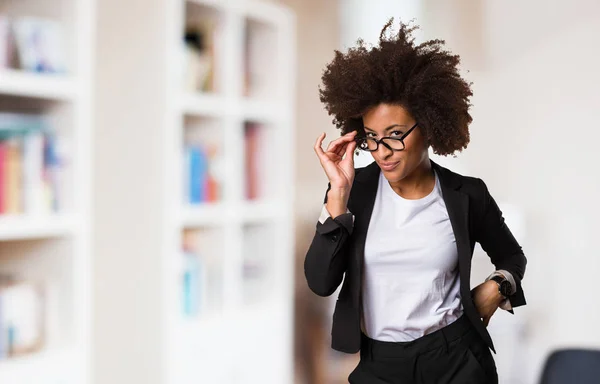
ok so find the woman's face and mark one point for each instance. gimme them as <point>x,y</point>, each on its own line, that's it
<point>387,120</point>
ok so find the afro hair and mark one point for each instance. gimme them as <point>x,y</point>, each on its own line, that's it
<point>422,78</point>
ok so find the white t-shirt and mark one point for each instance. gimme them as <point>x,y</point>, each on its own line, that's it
<point>411,285</point>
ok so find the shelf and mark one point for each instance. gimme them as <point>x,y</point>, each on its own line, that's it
<point>21,227</point>
<point>243,242</point>
<point>206,323</point>
<point>204,105</point>
<point>36,85</point>
<point>264,110</point>
<point>219,106</point>
<point>191,325</point>
<point>203,214</point>
<point>247,212</point>
<point>261,210</point>
<point>40,246</point>
<point>46,367</point>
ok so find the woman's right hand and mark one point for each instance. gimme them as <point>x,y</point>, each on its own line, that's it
<point>339,169</point>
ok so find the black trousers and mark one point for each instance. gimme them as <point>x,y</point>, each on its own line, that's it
<point>455,354</point>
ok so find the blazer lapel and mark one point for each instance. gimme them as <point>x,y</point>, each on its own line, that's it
<point>457,204</point>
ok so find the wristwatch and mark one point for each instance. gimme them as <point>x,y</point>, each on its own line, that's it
<point>504,286</point>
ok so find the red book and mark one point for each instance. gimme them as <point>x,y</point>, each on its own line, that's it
<point>211,184</point>
<point>251,138</point>
<point>211,189</point>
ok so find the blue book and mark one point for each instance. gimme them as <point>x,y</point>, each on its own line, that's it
<point>198,164</point>
<point>52,165</point>
<point>191,284</point>
<point>194,173</point>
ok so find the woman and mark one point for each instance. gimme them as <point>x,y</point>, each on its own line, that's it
<point>400,232</point>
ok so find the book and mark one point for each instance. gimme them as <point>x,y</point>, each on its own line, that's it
<point>214,174</point>
<point>52,172</point>
<point>22,324</point>
<point>192,283</point>
<point>196,174</point>
<point>202,170</point>
<point>194,275</point>
<point>33,173</point>
<point>32,165</point>
<point>252,166</point>
<point>12,174</point>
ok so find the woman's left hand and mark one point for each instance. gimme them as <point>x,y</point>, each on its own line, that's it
<point>487,298</point>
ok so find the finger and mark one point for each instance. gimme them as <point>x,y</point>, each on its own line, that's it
<point>334,145</point>
<point>318,145</point>
<point>350,149</point>
<point>351,134</point>
<point>342,148</point>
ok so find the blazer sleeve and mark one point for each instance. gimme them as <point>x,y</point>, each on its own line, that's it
<point>327,257</point>
<point>501,246</point>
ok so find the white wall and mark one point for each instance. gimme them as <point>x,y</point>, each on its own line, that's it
<point>364,19</point>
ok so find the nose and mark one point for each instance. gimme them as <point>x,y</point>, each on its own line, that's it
<point>384,152</point>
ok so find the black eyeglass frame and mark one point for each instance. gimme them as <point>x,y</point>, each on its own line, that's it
<point>363,139</point>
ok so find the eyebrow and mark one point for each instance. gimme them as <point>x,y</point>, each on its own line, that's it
<point>388,128</point>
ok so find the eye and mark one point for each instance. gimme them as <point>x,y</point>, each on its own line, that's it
<point>396,133</point>
<point>371,134</point>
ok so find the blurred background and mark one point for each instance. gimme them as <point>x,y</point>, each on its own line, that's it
<point>158,186</point>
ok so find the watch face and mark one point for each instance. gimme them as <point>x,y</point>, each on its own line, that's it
<point>505,288</point>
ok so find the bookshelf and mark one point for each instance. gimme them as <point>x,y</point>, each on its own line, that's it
<point>240,238</point>
<point>44,230</point>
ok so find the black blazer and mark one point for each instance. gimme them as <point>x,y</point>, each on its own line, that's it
<point>338,247</point>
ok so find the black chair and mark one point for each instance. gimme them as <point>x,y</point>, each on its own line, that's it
<point>572,366</point>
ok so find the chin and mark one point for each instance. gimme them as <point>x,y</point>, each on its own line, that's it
<point>393,177</point>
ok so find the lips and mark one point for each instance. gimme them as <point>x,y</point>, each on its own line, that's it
<point>389,166</point>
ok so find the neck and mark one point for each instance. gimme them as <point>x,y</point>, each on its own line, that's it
<point>419,183</point>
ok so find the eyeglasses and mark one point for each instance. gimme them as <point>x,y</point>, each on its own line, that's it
<point>371,144</point>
